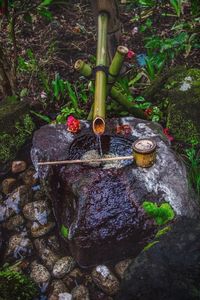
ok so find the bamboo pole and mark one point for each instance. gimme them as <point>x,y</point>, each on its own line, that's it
<point>114,93</point>
<point>100,78</point>
<point>82,161</point>
<point>116,63</point>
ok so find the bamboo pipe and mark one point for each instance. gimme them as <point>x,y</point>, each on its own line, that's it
<point>116,63</point>
<point>100,78</point>
<point>115,94</point>
<point>80,161</point>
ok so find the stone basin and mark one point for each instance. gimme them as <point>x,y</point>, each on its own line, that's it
<point>102,205</point>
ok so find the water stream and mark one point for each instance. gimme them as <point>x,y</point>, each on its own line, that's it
<point>99,145</point>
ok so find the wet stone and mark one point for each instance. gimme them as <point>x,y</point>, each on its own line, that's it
<point>38,230</point>
<point>121,267</point>
<point>76,277</point>
<point>18,166</point>
<point>65,296</point>
<point>80,292</point>
<point>29,177</point>
<point>8,185</point>
<point>39,273</point>
<point>48,257</point>
<point>57,287</point>
<point>63,266</point>
<point>14,223</point>
<point>104,205</point>
<point>19,246</point>
<point>105,280</point>
<point>14,203</point>
<point>37,211</point>
<point>53,243</point>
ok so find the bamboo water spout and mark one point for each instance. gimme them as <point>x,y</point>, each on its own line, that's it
<point>100,76</point>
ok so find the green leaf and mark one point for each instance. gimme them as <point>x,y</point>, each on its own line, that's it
<point>24,92</point>
<point>64,231</point>
<point>43,117</point>
<point>46,2</point>
<point>148,246</point>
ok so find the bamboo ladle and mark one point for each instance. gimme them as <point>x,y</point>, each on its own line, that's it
<point>82,161</point>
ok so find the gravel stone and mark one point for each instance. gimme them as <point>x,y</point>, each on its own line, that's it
<point>80,292</point>
<point>18,166</point>
<point>121,267</point>
<point>63,266</point>
<point>8,185</point>
<point>105,280</point>
<point>57,287</point>
<point>48,257</point>
<point>38,230</point>
<point>39,273</point>
<point>37,211</point>
<point>19,246</point>
<point>14,223</point>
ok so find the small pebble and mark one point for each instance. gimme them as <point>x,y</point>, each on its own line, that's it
<point>14,223</point>
<point>19,246</point>
<point>29,177</point>
<point>38,230</point>
<point>121,267</point>
<point>18,166</point>
<point>39,273</point>
<point>63,266</point>
<point>37,211</point>
<point>48,257</point>
<point>57,287</point>
<point>65,296</point>
<point>105,280</point>
<point>80,292</point>
<point>8,185</point>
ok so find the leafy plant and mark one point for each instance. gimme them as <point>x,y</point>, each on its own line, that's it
<point>15,285</point>
<point>177,6</point>
<point>193,162</point>
<point>161,214</point>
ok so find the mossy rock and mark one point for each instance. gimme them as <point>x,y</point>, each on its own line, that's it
<point>181,88</point>
<point>16,126</point>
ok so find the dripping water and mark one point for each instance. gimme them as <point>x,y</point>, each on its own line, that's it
<point>99,145</point>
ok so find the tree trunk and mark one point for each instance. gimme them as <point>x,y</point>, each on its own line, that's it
<point>114,26</point>
<point>5,77</point>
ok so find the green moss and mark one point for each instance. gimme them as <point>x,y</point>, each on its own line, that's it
<point>182,129</point>
<point>15,285</point>
<point>161,214</point>
<point>162,231</point>
<point>148,246</point>
<point>11,142</point>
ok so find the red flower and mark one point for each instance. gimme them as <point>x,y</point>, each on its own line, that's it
<point>130,54</point>
<point>73,125</point>
<point>148,112</point>
<point>166,133</point>
<point>123,129</point>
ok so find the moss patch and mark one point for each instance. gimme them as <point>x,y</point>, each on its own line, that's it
<point>16,126</point>
<point>181,87</point>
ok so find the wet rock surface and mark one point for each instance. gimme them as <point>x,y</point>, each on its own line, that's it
<point>168,270</point>
<point>101,206</point>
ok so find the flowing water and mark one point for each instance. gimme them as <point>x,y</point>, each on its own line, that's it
<point>99,145</point>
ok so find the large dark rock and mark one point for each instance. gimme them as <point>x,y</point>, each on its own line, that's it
<point>101,206</point>
<point>169,270</point>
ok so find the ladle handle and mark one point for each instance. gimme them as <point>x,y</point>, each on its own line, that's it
<point>80,161</point>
